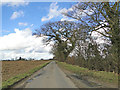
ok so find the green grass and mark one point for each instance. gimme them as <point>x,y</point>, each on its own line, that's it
<point>19,77</point>
<point>98,75</point>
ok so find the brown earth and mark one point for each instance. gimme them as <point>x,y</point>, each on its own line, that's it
<point>13,68</point>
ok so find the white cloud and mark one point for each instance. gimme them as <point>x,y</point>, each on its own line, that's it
<point>31,25</point>
<point>65,18</point>
<point>22,24</point>
<point>100,39</point>
<point>22,43</point>
<point>54,11</point>
<point>14,3</point>
<point>17,14</point>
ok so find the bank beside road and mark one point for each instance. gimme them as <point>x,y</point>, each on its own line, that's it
<point>19,70</point>
<point>85,78</point>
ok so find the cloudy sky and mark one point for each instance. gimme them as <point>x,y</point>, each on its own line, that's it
<point>19,21</point>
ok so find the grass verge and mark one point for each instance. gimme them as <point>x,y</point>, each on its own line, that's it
<point>19,77</point>
<point>98,75</point>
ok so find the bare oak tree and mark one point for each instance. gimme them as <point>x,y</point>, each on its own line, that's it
<point>64,34</point>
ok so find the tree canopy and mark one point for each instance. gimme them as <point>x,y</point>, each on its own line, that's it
<point>75,36</point>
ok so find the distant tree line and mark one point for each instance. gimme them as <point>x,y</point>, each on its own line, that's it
<point>19,59</point>
<point>25,59</point>
<point>74,37</point>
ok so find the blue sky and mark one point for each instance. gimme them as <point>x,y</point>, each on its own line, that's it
<point>32,15</point>
<point>19,21</point>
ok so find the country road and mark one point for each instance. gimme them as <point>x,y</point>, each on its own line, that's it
<point>50,76</point>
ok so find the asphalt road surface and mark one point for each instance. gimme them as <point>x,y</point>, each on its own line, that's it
<point>50,76</point>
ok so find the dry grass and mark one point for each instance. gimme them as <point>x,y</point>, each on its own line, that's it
<point>13,68</point>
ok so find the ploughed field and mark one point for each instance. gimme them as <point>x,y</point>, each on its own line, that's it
<point>13,68</point>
